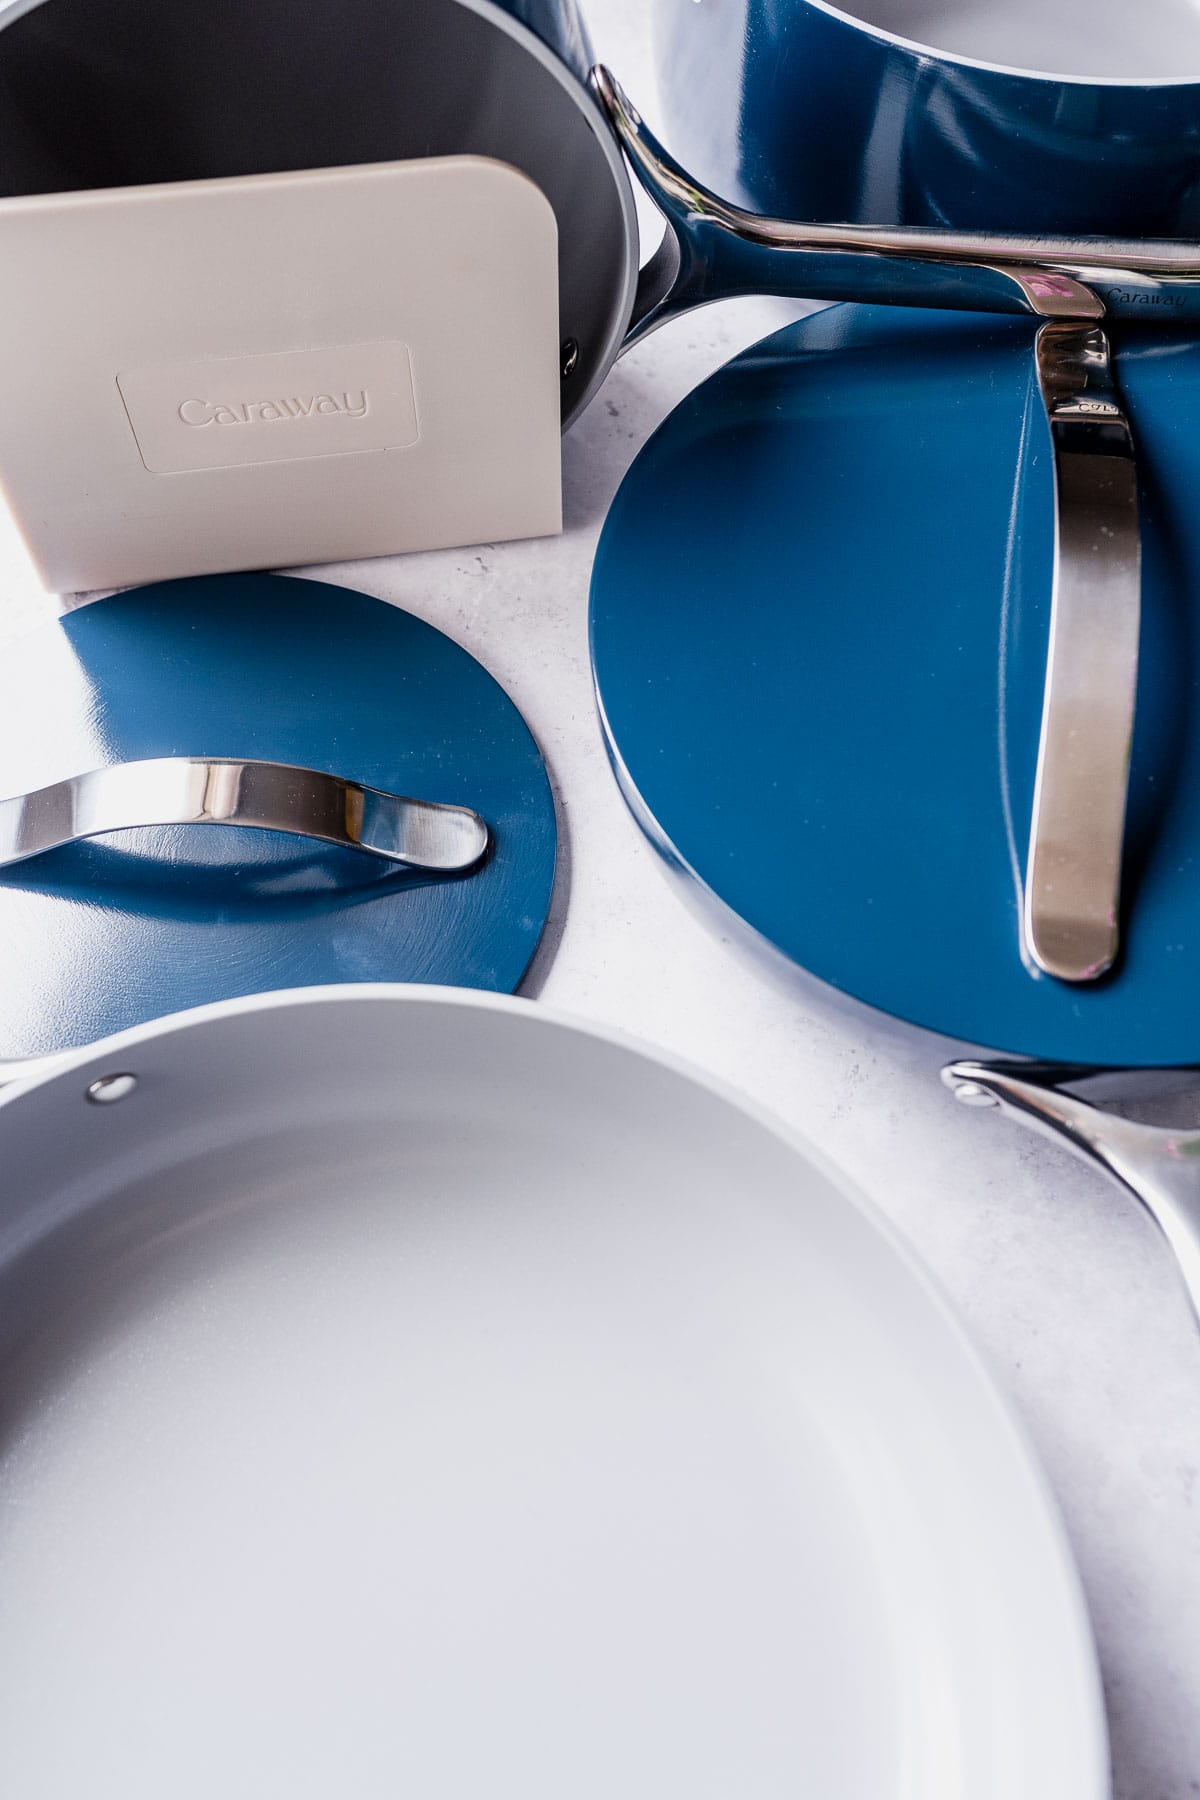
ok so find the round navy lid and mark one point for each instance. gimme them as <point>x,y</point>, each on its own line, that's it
<point>101,935</point>
<point>819,626</point>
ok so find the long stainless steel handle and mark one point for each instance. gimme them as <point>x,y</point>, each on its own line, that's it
<point>714,250</point>
<point>1159,1167</point>
<point>189,790</point>
<point>1073,873</point>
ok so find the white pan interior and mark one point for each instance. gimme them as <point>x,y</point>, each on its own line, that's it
<point>413,1393</point>
<point>1108,40</point>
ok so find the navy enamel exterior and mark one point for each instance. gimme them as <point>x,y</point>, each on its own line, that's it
<point>99,936</point>
<point>559,24</point>
<point>793,109</point>
<point>819,618</point>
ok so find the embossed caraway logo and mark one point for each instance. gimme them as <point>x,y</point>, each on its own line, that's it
<point>1146,297</point>
<point>233,411</point>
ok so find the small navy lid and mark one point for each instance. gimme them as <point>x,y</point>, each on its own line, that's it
<point>819,624</point>
<point>98,936</point>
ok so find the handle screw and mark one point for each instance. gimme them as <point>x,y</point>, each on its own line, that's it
<point>969,1093</point>
<point>110,1088</point>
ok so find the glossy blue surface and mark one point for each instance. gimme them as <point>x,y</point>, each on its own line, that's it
<point>819,617</point>
<point>99,936</point>
<point>794,110</point>
<point>559,23</point>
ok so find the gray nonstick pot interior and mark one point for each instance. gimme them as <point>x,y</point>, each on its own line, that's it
<point>116,93</point>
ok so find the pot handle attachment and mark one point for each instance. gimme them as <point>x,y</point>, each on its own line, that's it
<point>713,250</point>
<point>189,790</point>
<point>1158,1166</point>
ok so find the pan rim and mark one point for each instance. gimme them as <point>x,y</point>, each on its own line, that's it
<point>120,1050</point>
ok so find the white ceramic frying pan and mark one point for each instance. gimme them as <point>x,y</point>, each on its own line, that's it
<point>413,1392</point>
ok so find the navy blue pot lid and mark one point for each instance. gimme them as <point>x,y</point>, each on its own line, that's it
<point>819,620</point>
<point>98,936</point>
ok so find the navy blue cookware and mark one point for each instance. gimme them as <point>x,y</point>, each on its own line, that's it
<point>790,106</point>
<point>1037,115</point>
<point>820,615</point>
<point>114,93</point>
<point>305,709</point>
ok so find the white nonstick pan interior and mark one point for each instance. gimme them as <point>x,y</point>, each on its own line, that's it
<point>409,1392</point>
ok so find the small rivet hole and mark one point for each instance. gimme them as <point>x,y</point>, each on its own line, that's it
<point>110,1088</point>
<point>969,1093</point>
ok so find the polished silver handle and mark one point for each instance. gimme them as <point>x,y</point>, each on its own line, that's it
<point>1159,1167</point>
<point>190,790</point>
<point>1073,873</point>
<point>713,250</point>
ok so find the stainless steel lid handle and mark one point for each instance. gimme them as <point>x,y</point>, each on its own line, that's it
<point>188,790</point>
<point>1073,874</point>
<point>1159,1167</point>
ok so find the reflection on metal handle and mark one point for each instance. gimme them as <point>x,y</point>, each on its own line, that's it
<point>713,250</point>
<point>1159,1167</point>
<point>1073,876</point>
<point>188,790</point>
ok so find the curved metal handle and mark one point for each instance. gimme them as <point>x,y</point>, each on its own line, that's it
<point>1159,1167</point>
<point>189,790</point>
<point>714,250</point>
<point>1073,874</point>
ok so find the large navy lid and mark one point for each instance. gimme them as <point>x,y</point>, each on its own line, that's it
<point>101,935</point>
<point>819,622</point>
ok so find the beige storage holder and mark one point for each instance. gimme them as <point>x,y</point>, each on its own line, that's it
<point>278,369</point>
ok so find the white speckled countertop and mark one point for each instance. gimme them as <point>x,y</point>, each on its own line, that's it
<point>1062,1281</point>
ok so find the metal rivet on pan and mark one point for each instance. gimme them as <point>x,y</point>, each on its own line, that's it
<point>110,1088</point>
<point>971,1094</point>
<point>568,357</point>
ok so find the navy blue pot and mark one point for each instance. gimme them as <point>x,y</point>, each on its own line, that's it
<point>795,109</point>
